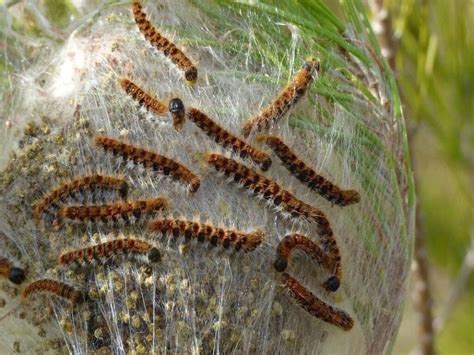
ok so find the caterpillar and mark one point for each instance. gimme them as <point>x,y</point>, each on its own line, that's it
<point>314,306</point>
<point>228,140</point>
<point>177,110</point>
<point>112,212</point>
<point>16,275</point>
<point>58,288</point>
<point>271,191</point>
<point>164,45</point>
<point>145,100</point>
<point>150,160</point>
<point>104,250</point>
<point>77,185</point>
<point>205,232</point>
<point>298,241</point>
<point>287,98</point>
<point>308,176</point>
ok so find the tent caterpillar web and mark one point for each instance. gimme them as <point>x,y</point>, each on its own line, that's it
<point>151,160</point>
<point>227,139</point>
<point>298,241</point>
<point>57,288</point>
<point>15,274</point>
<point>308,176</point>
<point>285,100</point>
<point>164,45</point>
<point>112,212</point>
<point>66,189</point>
<point>314,306</point>
<point>206,232</point>
<point>101,251</point>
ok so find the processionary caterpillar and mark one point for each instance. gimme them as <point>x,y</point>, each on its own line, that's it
<point>308,176</point>
<point>57,288</point>
<point>298,241</point>
<point>10,272</point>
<point>164,45</point>
<point>284,101</point>
<point>314,305</point>
<point>150,160</point>
<point>102,251</point>
<point>112,212</point>
<point>228,140</point>
<point>145,100</point>
<point>77,185</point>
<point>205,232</point>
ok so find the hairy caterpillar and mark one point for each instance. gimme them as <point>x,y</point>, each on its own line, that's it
<point>314,305</point>
<point>112,212</point>
<point>150,160</point>
<point>145,100</point>
<point>227,139</point>
<point>284,101</point>
<point>104,250</point>
<point>10,272</point>
<point>308,176</point>
<point>177,110</point>
<point>205,232</point>
<point>298,241</point>
<point>163,44</point>
<point>57,288</point>
<point>80,184</point>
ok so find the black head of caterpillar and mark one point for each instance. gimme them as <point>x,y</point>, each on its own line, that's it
<point>14,274</point>
<point>177,110</point>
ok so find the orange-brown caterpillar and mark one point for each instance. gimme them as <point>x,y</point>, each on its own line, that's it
<point>107,249</point>
<point>315,306</point>
<point>145,100</point>
<point>10,272</point>
<point>66,189</point>
<point>57,288</point>
<point>176,108</point>
<point>150,160</point>
<point>205,232</point>
<point>308,176</point>
<point>284,101</point>
<point>112,212</point>
<point>227,139</point>
<point>298,241</point>
<point>163,44</point>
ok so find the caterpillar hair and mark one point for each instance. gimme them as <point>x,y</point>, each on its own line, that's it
<point>164,45</point>
<point>102,251</point>
<point>177,110</point>
<point>151,160</point>
<point>112,212</point>
<point>152,104</point>
<point>228,140</point>
<point>287,98</point>
<point>209,233</point>
<point>308,176</point>
<point>16,275</point>
<point>298,241</point>
<point>314,306</point>
<point>64,190</point>
<point>57,288</point>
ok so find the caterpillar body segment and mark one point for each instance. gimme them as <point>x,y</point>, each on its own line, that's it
<point>8,271</point>
<point>208,233</point>
<point>150,160</point>
<point>287,99</point>
<point>228,140</point>
<point>164,45</point>
<point>314,306</point>
<point>144,99</point>
<point>308,176</point>
<point>58,288</point>
<point>102,251</point>
<point>79,185</point>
